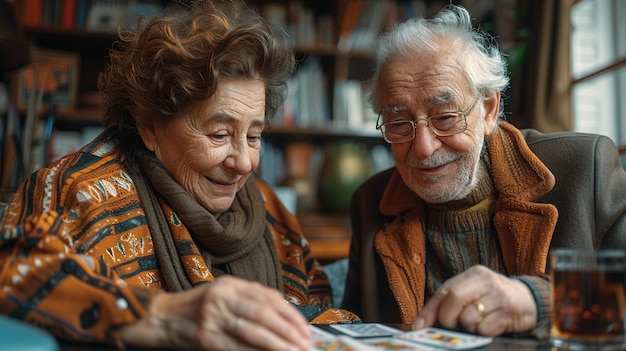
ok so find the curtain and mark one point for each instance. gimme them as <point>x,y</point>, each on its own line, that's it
<point>540,90</point>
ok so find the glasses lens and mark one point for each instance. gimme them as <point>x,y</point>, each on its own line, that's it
<point>448,124</point>
<point>400,131</point>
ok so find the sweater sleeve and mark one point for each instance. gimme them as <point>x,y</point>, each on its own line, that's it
<point>49,275</point>
<point>540,287</point>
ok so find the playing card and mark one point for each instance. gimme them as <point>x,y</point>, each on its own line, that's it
<point>391,343</point>
<point>341,343</point>
<point>332,345</point>
<point>365,330</point>
<point>445,338</point>
<point>319,334</point>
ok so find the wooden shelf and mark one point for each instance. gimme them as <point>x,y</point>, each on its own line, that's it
<point>328,234</point>
<point>82,114</point>
<point>81,34</point>
<point>68,33</point>
<point>333,51</point>
<point>281,135</point>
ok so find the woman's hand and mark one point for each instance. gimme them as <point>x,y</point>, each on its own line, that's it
<point>480,301</point>
<point>228,314</point>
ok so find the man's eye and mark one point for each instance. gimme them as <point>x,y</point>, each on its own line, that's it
<point>219,136</point>
<point>446,121</point>
<point>444,118</point>
<point>399,117</point>
<point>400,127</point>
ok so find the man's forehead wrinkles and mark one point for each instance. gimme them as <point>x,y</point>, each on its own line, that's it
<point>438,99</point>
<point>441,99</point>
<point>395,108</point>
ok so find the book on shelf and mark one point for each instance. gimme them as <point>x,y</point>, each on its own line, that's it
<point>307,103</point>
<point>305,26</point>
<point>271,166</point>
<point>32,13</point>
<point>68,14</point>
<point>276,14</point>
<point>305,33</point>
<point>349,19</point>
<point>82,8</point>
<point>361,23</point>
<point>96,15</point>
<point>350,108</point>
<point>370,24</point>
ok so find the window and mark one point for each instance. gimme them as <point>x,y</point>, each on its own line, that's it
<point>598,66</point>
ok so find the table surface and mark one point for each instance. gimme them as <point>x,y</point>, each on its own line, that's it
<point>41,341</point>
<point>499,344</point>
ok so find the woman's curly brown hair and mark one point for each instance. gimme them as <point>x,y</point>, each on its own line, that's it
<point>179,57</point>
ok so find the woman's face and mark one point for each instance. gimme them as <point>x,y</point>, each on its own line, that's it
<point>212,148</point>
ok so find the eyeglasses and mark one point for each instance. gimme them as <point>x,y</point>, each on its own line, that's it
<point>444,124</point>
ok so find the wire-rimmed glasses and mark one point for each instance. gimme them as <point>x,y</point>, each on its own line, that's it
<point>443,124</point>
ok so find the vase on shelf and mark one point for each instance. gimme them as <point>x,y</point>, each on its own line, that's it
<point>345,167</point>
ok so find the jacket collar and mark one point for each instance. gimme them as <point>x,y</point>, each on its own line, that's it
<point>517,173</point>
<point>524,227</point>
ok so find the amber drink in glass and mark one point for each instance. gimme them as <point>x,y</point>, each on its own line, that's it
<point>588,298</point>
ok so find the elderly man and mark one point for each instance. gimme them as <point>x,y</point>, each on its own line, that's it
<point>458,233</point>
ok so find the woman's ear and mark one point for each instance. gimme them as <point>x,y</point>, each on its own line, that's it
<point>148,136</point>
<point>491,105</point>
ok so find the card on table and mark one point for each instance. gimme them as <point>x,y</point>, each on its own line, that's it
<point>446,338</point>
<point>390,343</point>
<point>320,334</point>
<point>342,343</point>
<point>326,341</point>
<point>366,330</point>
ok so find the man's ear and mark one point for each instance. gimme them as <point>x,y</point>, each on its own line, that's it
<point>491,106</point>
<point>148,136</point>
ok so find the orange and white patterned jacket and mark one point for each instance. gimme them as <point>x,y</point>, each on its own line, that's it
<point>86,205</point>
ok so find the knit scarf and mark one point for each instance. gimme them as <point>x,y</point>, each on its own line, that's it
<point>237,241</point>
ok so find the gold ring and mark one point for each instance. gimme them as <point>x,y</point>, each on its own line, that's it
<point>480,308</point>
<point>238,322</point>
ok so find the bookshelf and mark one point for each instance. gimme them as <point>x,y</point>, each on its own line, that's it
<point>334,48</point>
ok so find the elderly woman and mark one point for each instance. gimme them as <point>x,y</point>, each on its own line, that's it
<point>137,238</point>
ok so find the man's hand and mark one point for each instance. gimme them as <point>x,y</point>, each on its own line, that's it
<point>480,301</point>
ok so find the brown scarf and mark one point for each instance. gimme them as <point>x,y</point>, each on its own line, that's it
<point>237,242</point>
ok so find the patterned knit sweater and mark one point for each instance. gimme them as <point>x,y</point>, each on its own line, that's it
<point>77,258</point>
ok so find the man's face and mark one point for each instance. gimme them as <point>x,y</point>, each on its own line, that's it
<point>438,169</point>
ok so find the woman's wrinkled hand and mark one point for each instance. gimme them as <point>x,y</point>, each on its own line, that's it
<point>480,301</point>
<point>228,314</point>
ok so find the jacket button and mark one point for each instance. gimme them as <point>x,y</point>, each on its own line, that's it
<point>417,259</point>
<point>90,316</point>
